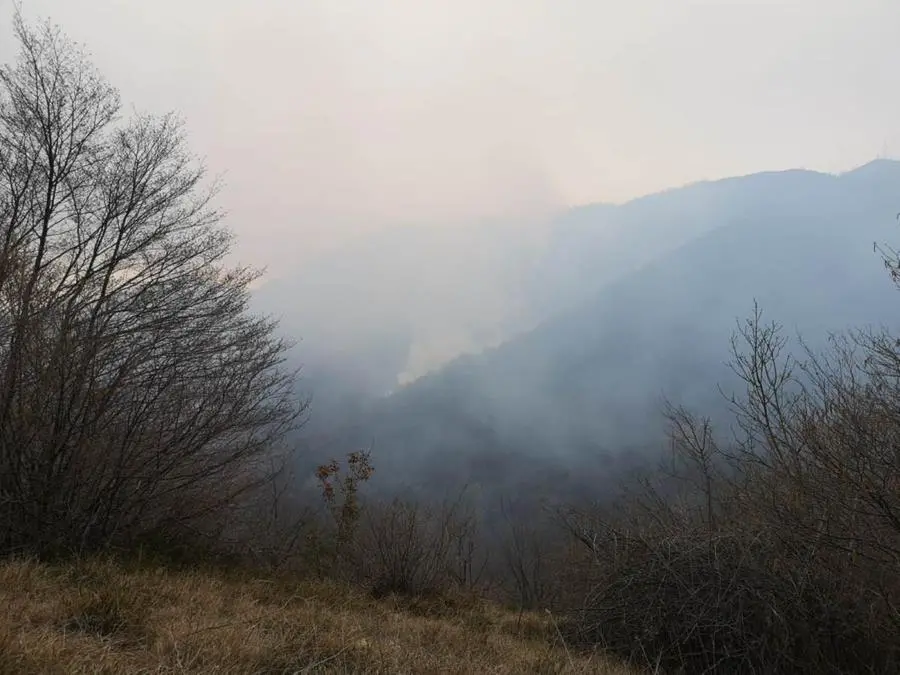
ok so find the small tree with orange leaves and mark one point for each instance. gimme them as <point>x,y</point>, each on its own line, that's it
<point>343,502</point>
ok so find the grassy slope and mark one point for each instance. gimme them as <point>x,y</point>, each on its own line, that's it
<point>96,617</point>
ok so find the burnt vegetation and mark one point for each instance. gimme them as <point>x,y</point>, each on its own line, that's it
<point>144,411</point>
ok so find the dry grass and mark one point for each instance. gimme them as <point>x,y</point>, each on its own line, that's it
<point>97,617</point>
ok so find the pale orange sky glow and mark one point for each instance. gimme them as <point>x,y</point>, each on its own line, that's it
<point>332,118</point>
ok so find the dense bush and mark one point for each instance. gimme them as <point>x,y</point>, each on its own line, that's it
<point>777,552</point>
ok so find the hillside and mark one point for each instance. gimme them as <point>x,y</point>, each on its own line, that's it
<point>586,383</point>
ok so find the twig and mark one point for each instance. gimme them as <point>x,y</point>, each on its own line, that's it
<point>309,668</point>
<point>217,627</point>
<point>561,639</point>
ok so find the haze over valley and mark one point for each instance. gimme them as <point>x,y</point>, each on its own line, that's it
<point>497,336</point>
<point>585,328</point>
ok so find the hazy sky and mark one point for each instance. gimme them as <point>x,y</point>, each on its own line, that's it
<point>333,117</point>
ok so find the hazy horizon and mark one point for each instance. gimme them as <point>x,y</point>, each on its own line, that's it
<point>395,165</point>
<point>331,120</point>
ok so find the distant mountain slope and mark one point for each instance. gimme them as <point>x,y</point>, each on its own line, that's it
<point>593,245</point>
<point>407,299</point>
<point>587,381</point>
<point>397,303</point>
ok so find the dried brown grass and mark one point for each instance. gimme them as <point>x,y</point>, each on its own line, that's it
<point>100,617</point>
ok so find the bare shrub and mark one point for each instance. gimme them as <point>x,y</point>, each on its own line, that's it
<point>775,552</point>
<point>533,554</point>
<point>279,529</point>
<point>411,548</point>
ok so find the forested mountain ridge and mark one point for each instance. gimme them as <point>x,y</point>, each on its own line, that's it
<point>587,382</point>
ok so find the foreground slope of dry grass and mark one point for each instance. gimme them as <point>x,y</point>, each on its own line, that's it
<point>97,617</point>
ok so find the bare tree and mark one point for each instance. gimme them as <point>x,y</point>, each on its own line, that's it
<point>136,392</point>
<point>527,549</point>
<point>413,548</point>
<point>776,551</point>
